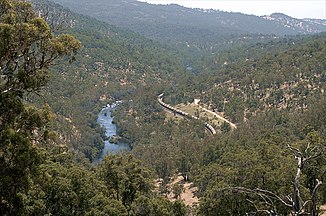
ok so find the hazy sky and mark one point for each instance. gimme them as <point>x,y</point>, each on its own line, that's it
<point>294,8</point>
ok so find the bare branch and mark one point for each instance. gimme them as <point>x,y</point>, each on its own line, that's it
<point>274,196</point>
<point>304,204</point>
<point>314,156</point>
<point>319,183</point>
<point>295,151</point>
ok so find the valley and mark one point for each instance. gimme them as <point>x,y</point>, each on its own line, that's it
<point>239,130</point>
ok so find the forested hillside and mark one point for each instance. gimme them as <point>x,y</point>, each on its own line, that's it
<point>287,75</point>
<point>197,28</point>
<point>274,92</point>
<point>58,69</point>
<point>42,172</point>
<point>111,64</point>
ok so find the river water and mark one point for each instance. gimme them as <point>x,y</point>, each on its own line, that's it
<point>105,119</point>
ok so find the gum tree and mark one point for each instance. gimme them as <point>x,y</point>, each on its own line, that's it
<point>27,50</point>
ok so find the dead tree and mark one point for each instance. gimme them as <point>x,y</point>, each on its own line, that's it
<point>303,157</point>
<point>265,201</point>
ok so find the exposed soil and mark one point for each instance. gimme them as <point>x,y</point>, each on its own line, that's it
<point>188,193</point>
<point>323,210</point>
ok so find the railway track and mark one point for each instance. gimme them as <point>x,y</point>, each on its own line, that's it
<point>209,127</point>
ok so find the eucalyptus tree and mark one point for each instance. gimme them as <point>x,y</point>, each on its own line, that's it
<point>27,50</point>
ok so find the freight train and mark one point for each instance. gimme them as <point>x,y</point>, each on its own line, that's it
<point>209,127</point>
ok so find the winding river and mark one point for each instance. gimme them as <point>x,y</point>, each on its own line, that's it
<point>105,119</point>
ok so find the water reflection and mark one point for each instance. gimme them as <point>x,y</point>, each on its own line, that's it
<point>105,119</point>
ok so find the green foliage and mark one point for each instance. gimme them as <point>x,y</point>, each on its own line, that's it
<point>157,206</point>
<point>112,64</point>
<point>27,49</point>
<point>284,74</point>
<point>217,203</point>
<point>120,185</point>
<point>70,190</point>
<point>261,90</point>
<point>257,156</point>
<point>177,189</point>
<point>125,178</point>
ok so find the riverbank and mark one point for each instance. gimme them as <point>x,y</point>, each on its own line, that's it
<point>106,120</point>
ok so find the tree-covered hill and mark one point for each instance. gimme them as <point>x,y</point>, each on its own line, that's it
<point>273,163</point>
<point>275,92</point>
<point>241,82</point>
<point>286,79</point>
<point>300,25</point>
<point>38,176</point>
<point>204,29</point>
<point>111,65</point>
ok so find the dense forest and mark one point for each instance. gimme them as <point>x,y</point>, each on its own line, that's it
<point>59,68</point>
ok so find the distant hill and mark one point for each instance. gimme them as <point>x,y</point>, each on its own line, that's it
<point>198,27</point>
<point>303,26</point>
<point>317,21</point>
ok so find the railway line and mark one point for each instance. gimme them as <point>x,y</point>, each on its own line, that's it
<point>209,127</point>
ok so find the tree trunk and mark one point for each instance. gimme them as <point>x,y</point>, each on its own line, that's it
<point>296,194</point>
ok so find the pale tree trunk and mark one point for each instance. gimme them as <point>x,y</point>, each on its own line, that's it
<point>296,194</point>
<point>298,204</point>
<point>314,199</point>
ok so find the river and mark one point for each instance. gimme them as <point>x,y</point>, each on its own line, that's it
<point>105,119</point>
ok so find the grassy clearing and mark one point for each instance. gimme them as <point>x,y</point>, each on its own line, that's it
<point>197,111</point>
